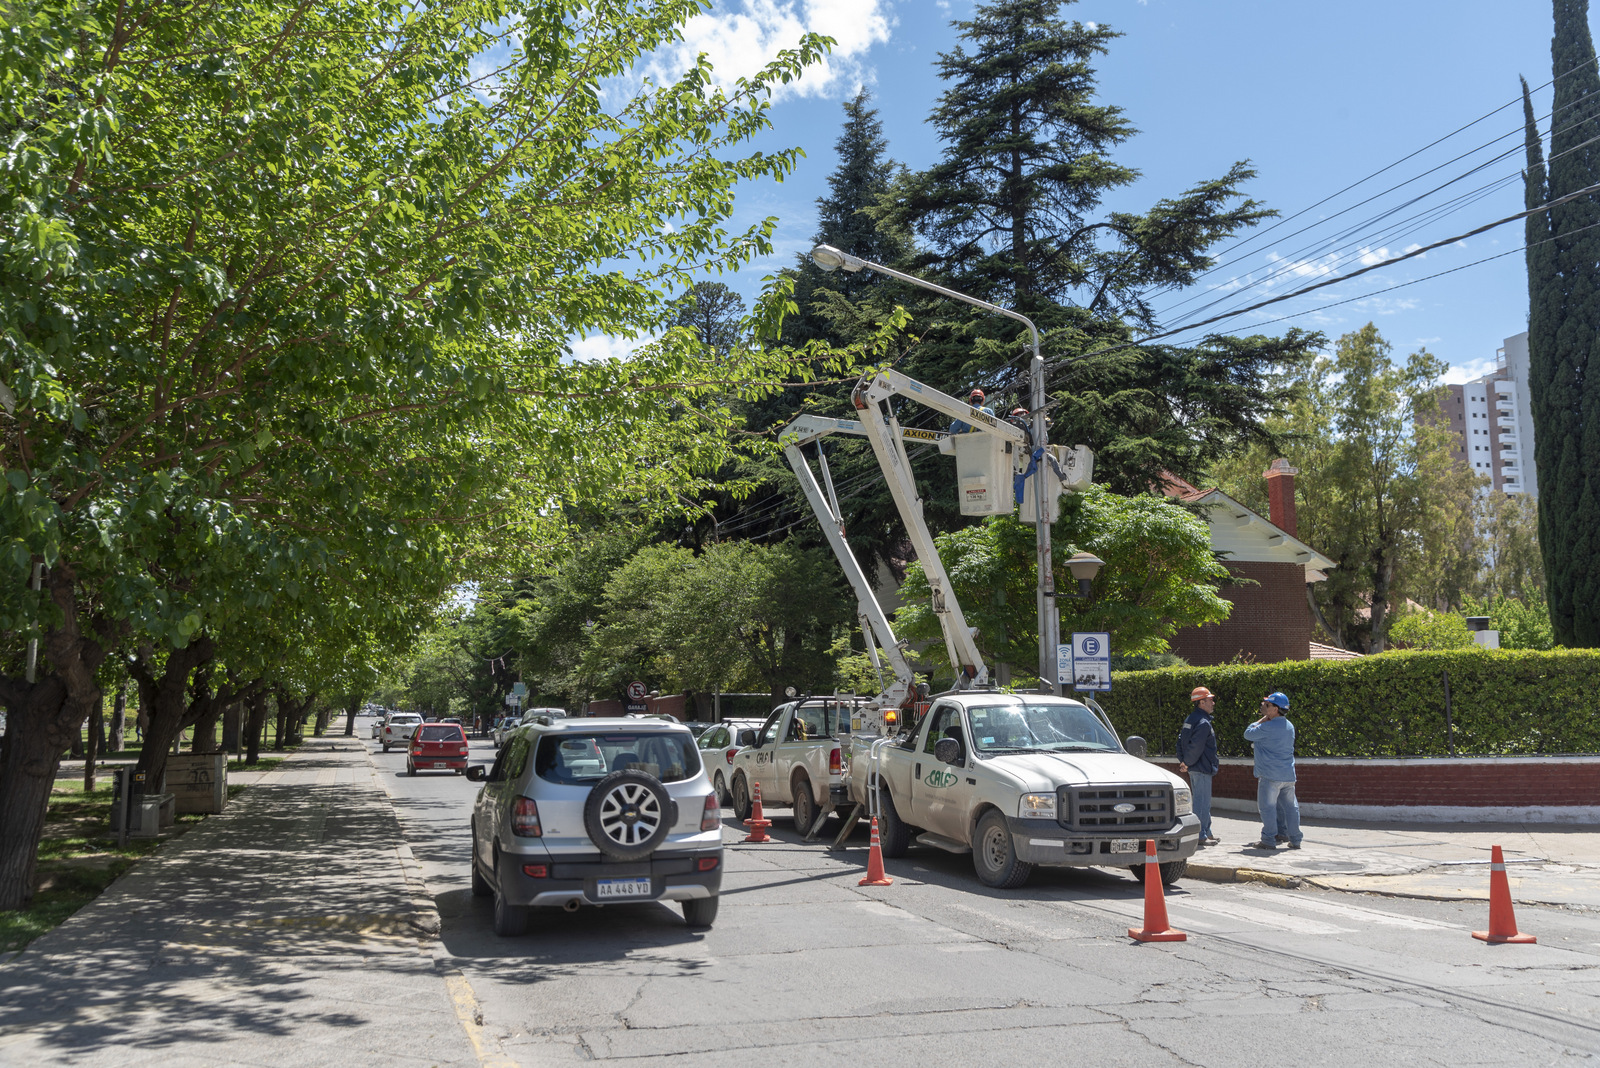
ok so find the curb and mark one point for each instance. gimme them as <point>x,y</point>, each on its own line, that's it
<point>1221,873</point>
<point>423,915</point>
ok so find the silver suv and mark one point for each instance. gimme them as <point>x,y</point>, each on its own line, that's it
<point>594,811</point>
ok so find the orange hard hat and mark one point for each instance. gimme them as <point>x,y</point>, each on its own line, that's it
<point>976,393</point>
<point>1200,693</point>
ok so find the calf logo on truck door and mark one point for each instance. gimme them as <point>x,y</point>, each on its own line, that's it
<point>940,778</point>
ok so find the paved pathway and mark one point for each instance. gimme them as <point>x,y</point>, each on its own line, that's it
<point>291,930</point>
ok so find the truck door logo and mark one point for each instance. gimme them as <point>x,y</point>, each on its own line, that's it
<point>941,778</point>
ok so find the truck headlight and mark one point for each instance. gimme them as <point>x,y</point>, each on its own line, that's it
<point>1037,807</point>
<point>1182,801</point>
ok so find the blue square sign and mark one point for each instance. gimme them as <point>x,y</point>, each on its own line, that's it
<point>1086,663</point>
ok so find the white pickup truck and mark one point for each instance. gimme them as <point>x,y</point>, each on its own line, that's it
<point>798,758</point>
<point>1019,780</point>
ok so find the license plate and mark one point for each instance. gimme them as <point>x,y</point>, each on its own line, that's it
<point>622,888</point>
<point>440,764</point>
<point>1125,845</point>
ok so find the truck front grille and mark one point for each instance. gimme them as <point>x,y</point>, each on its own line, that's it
<point>1085,808</point>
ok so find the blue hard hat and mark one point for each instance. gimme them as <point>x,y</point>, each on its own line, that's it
<point>1279,698</point>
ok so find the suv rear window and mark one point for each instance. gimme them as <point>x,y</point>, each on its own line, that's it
<point>438,732</point>
<point>575,758</point>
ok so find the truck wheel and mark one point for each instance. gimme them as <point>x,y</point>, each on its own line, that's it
<point>721,787</point>
<point>994,855</point>
<point>700,911</point>
<point>741,797</point>
<point>894,837</point>
<point>1171,871</point>
<point>805,806</point>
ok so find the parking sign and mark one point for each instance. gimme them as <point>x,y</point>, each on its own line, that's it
<point>1086,663</point>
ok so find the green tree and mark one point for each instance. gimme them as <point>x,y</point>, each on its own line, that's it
<point>1510,525</point>
<point>1379,489</point>
<point>286,301</point>
<point>1426,629</point>
<point>1563,258</point>
<point>713,313</point>
<point>1159,575</point>
<point>1523,623</point>
<point>1014,213</point>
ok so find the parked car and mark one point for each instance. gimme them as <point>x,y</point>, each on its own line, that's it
<point>532,715</point>
<point>719,743</point>
<point>595,811</point>
<point>397,729</point>
<point>503,726</point>
<point>437,747</point>
<point>697,727</point>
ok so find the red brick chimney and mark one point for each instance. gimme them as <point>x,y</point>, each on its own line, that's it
<point>1280,495</point>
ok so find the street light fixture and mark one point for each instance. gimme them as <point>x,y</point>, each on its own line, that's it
<point>832,259</point>
<point>1084,566</point>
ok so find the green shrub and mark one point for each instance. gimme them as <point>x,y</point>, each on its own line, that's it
<point>1503,702</point>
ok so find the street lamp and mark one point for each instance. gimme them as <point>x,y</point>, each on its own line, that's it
<point>831,259</point>
<point>1084,567</point>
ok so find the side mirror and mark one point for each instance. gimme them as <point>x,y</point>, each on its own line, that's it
<point>947,751</point>
<point>1134,745</point>
<point>478,772</point>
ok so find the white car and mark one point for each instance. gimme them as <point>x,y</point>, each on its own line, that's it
<point>397,729</point>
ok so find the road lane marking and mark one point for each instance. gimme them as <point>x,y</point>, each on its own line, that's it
<point>1366,915</point>
<point>471,1017</point>
<point>1278,920</point>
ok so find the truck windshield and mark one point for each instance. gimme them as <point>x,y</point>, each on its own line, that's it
<point>1052,727</point>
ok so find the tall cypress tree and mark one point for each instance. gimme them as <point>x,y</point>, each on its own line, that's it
<point>1563,259</point>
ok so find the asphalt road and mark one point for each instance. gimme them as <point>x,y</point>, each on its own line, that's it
<point>805,967</point>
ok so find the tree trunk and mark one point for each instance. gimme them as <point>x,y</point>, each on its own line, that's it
<point>75,743</point>
<point>39,720</point>
<point>232,726</point>
<point>164,699</point>
<point>1382,583</point>
<point>119,721</point>
<point>255,726</point>
<point>350,717</point>
<point>322,721</point>
<point>95,746</point>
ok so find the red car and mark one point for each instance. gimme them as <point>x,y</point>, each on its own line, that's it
<point>437,747</point>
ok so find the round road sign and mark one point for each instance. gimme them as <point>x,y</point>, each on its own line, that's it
<point>636,691</point>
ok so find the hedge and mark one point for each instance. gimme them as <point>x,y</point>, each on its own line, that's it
<point>1502,703</point>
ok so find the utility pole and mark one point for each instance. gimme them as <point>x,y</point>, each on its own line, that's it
<point>829,258</point>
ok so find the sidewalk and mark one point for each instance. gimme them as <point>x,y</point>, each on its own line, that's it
<point>291,930</point>
<point>1546,864</point>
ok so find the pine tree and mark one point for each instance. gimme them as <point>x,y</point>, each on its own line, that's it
<point>1013,213</point>
<point>1564,330</point>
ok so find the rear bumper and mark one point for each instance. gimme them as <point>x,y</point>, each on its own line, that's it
<point>1046,842</point>
<point>673,877</point>
<point>437,763</point>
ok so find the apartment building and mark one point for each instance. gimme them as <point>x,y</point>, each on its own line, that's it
<point>1495,425</point>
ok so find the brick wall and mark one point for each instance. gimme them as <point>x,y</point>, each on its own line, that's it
<point>1483,782</point>
<point>1270,621</point>
<point>671,704</point>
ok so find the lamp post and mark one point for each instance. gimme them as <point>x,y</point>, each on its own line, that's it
<point>830,259</point>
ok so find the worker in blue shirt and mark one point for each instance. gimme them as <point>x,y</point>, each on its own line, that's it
<point>975,398</point>
<point>1197,755</point>
<point>1273,738</point>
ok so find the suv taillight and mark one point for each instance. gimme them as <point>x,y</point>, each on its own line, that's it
<point>834,764</point>
<point>730,754</point>
<point>525,819</point>
<point>712,818</point>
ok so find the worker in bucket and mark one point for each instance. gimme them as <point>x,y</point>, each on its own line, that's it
<point>975,398</point>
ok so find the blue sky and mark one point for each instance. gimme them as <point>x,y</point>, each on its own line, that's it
<point>1317,96</point>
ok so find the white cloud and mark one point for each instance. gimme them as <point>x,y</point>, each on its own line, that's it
<point>1468,371</point>
<point>739,37</point>
<point>598,347</point>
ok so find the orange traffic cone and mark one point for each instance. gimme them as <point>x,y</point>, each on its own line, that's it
<point>1155,927</point>
<point>757,823</point>
<point>875,875</point>
<point>1502,920</point>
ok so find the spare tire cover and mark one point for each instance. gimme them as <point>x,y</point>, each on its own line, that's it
<point>628,814</point>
